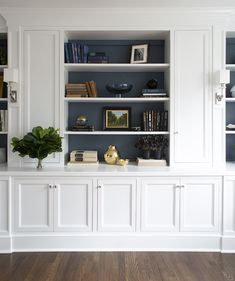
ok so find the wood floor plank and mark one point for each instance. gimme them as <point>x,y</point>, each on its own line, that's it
<point>117,266</point>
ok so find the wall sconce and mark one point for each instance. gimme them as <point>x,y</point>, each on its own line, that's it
<point>11,76</point>
<point>224,78</point>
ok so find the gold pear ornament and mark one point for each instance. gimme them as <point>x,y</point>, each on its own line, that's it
<point>111,155</point>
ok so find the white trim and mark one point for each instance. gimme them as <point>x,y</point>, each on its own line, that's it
<point>116,243</point>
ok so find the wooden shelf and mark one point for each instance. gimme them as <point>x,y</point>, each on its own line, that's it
<point>3,133</point>
<point>3,99</point>
<point>230,132</point>
<point>129,133</point>
<point>116,67</point>
<point>116,100</point>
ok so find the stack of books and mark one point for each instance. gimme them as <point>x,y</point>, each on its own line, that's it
<point>83,157</point>
<point>3,120</point>
<point>151,162</point>
<point>154,93</point>
<point>74,52</point>
<point>82,90</point>
<point>155,121</point>
<point>83,128</point>
<point>97,57</point>
<point>76,90</point>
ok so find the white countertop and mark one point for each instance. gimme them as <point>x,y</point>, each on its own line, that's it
<point>114,170</point>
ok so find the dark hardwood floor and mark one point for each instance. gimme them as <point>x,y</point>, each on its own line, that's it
<point>117,266</point>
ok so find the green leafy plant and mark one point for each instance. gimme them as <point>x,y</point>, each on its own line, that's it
<point>38,144</point>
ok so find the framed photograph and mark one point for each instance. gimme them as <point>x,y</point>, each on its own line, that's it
<point>116,118</point>
<point>139,53</point>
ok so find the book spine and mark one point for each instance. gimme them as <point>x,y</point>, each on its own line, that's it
<point>70,53</point>
<point>78,51</point>
<point>86,50</point>
<point>93,88</point>
<point>166,120</point>
<point>66,53</point>
<point>150,121</point>
<point>158,121</point>
<point>144,121</point>
<point>153,91</point>
<point>88,89</point>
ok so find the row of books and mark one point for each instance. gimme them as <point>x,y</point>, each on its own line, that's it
<point>154,120</point>
<point>74,52</point>
<point>97,57</point>
<point>3,120</point>
<point>154,93</point>
<point>81,90</point>
<point>83,157</point>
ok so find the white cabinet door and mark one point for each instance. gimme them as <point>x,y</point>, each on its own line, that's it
<point>41,81</point>
<point>4,201</point>
<point>160,204</point>
<point>116,204</point>
<point>33,205</point>
<point>199,210</point>
<point>229,206</point>
<point>73,205</point>
<point>192,104</point>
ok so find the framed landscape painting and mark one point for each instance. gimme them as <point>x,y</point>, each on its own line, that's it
<point>116,118</point>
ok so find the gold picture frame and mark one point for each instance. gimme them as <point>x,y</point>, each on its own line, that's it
<point>116,118</point>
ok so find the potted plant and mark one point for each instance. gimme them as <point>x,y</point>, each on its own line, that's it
<point>144,144</point>
<point>158,144</point>
<point>38,143</point>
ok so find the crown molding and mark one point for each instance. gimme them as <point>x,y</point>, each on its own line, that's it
<point>151,10</point>
<point>105,16</point>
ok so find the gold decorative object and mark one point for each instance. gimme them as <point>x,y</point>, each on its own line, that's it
<point>122,162</point>
<point>111,155</point>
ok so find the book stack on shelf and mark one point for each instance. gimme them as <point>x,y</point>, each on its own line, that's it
<point>3,121</point>
<point>151,162</point>
<point>154,93</point>
<point>83,157</point>
<point>82,90</point>
<point>83,128</point>
<point>74,52</point>
<point>97,57</point>
<point>155,121</point>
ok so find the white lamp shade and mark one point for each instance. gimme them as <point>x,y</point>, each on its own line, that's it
<point>224,77</point>
<point>10,75</point>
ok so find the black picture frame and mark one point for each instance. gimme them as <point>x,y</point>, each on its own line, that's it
<point>123,123</point>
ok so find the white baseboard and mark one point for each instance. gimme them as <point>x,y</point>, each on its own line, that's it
<point>228,244</point>
<point>5,245</point>
<point>116,243</point>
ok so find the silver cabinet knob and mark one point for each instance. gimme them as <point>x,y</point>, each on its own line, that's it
<point>50,185</point>
<point>55,186</point>
<point>99,186</point>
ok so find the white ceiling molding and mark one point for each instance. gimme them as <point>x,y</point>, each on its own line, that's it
<point>117,4</point>
<point>118,17</point>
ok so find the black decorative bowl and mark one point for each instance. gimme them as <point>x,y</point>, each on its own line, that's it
<point>119,89</point>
